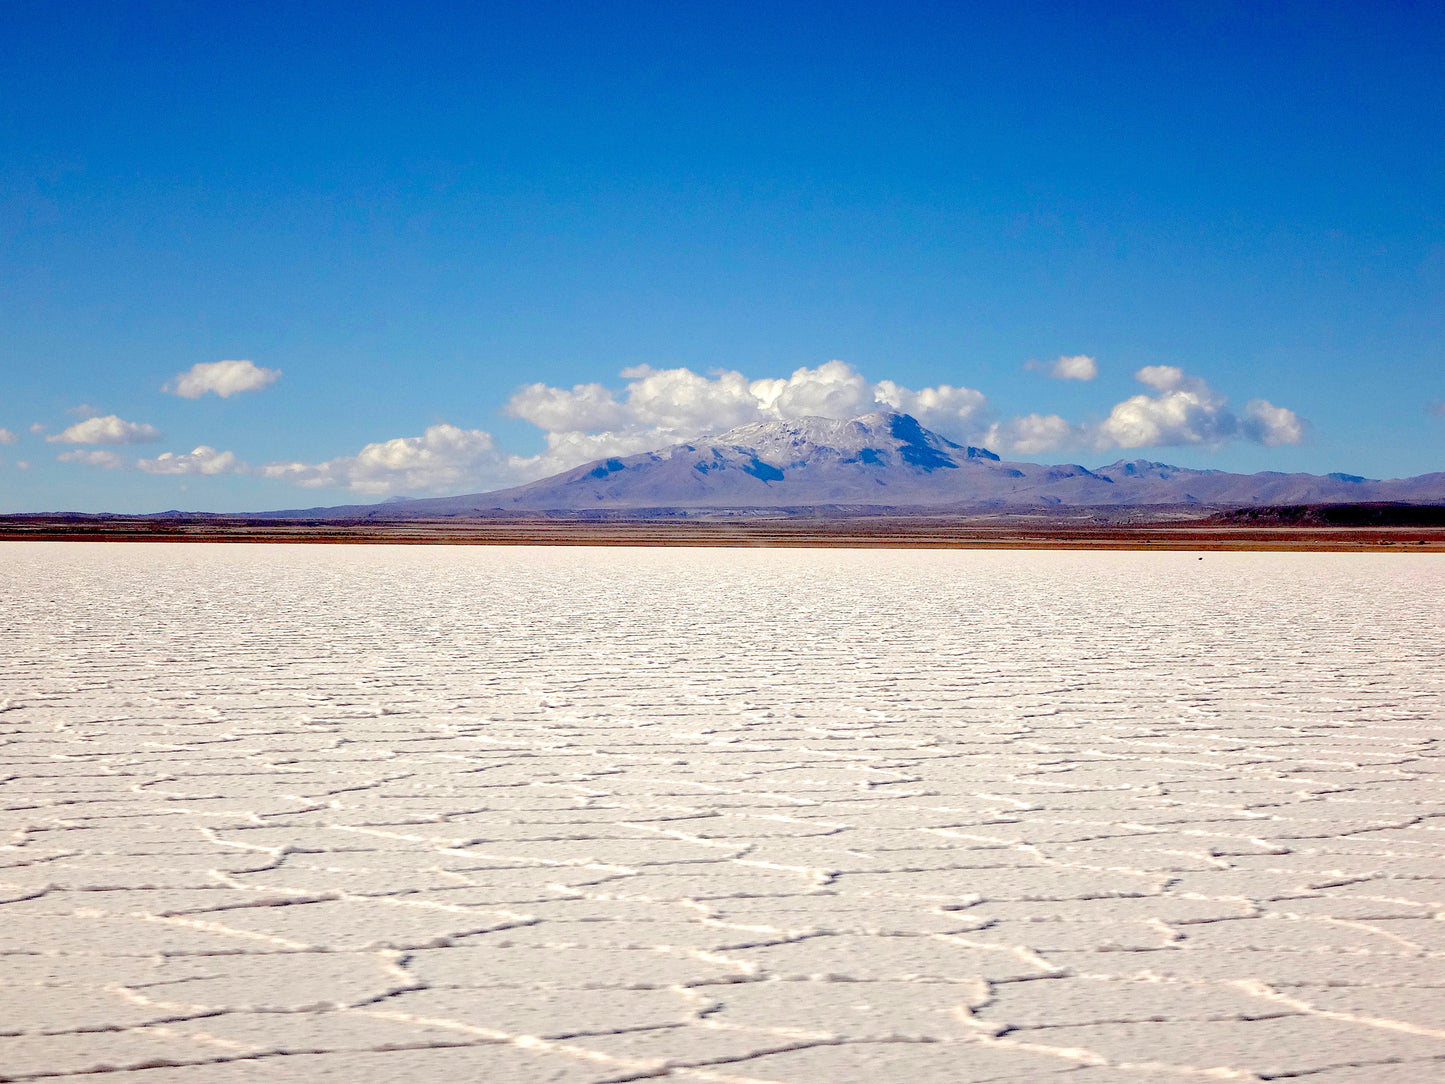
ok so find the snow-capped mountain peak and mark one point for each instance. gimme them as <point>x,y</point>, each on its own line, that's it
<point>887,460</point>
<point>880,438</point>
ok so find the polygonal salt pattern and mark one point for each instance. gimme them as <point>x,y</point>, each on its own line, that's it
<point>372,814</point>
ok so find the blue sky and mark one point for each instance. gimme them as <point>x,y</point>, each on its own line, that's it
<point>434,221</point>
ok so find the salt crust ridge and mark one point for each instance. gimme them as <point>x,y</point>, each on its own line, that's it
<point>276,813</point>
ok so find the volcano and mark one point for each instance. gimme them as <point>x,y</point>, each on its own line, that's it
<point>887,460</point>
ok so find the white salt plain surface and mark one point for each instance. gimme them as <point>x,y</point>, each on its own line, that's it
<point>365,814</point>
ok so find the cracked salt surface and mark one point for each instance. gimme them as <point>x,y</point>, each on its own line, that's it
<point>369,814</point>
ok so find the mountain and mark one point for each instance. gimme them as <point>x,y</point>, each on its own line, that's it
<point>886,460</point>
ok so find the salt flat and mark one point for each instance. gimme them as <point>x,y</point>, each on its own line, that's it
<point>355,813</point>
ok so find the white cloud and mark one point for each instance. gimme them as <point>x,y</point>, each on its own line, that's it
<point>680,400</point>
<point>658,407</point>
<point>223,378</point>
<point>84,410</point>
<point>585,407</point>
<point>1076,367</point>
<point>22,464</point>
<point>38,428</point>
<point>106,430</point>
<point>567,450</point>
<point>443,458</point>
<point>1188,411</point>
<point>202,460</point>
<point>1031,434</point>
<point>1177,416</point>
<point>950,409</point>
<point>1171,378</point>
<point>686,404</point>
<point>1144,421</point>
<point>832,390</point>
<point>96,458</point>
<point>1267,424</point>
<point>1067,367</point>
<point>7,437</point>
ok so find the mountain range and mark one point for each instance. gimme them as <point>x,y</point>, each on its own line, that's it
<point>882,461</point>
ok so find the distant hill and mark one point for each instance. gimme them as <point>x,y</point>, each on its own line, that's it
<point>881,461</point>
<point>1335,515</point>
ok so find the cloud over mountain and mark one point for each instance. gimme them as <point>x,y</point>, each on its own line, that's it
<point>882,460</point>
<point>656,408</point>
<point>659,406</point>
<point>944,407</point>
<point>682,400</point>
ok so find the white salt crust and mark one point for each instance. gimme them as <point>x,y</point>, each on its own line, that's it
<point>372,814</point>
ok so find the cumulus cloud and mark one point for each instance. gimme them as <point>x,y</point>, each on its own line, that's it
<point>202,460</point>
<point>1265,423</point>
<point>7,437</point>
<point>686,402</point>
<point>1067,367</point>
<point>1178,415</point>
<point>223,378</point>
<point>106,430</point>
<point>1187,411</point>
<point>682,400</point>
<point>1032,434</point>
<point>664,406</point>
<point>1171,378</point>
<point>1076,367</point>
<point>585,407</point>
<point>443,458</point>
<point>658,407</point>
<point>956,410</point>
<point>95,458</point>
<point>832,390</point>
<point>566,450</point>
<point>38,428</point>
